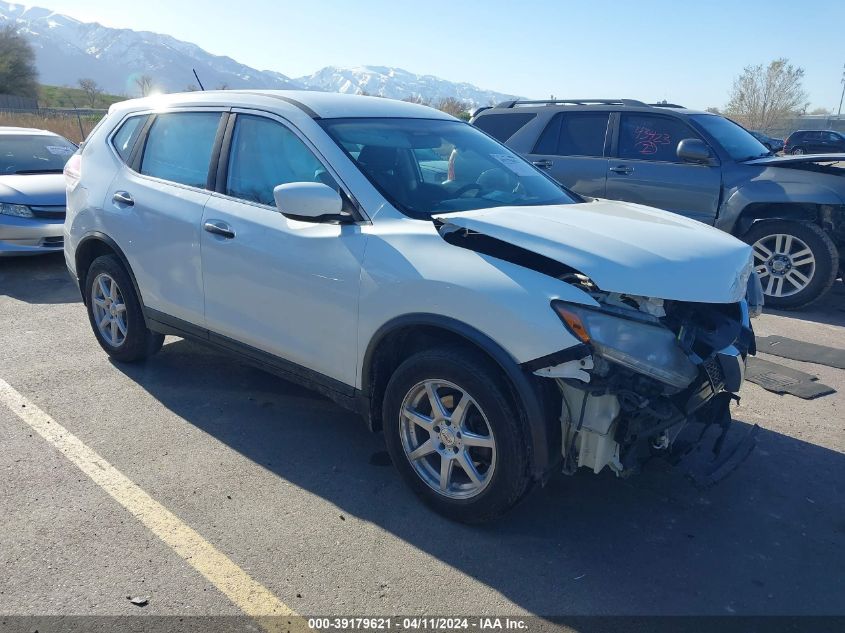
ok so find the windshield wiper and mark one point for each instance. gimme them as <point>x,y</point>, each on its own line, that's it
<point>54,170</point>
<point>756,156</point>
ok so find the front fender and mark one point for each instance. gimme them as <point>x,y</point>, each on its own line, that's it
<point>771,192</point>
<point>421,274</point>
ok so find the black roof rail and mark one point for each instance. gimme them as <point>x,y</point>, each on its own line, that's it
<point>624,102</point>
<point>666,104</point>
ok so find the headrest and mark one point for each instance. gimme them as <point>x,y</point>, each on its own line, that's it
<point>378,157</point>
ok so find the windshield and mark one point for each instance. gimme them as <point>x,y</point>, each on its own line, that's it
<point>426,166</point>
<point>33,153</point>
<point>733,138</point>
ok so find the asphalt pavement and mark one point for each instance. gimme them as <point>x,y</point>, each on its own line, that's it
<point>300,498</point>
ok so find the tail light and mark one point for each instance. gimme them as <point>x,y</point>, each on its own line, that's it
<point>73,171</point>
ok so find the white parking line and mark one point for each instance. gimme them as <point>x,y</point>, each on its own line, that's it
<point>253,598</point>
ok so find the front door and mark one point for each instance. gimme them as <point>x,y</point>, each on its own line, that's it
<point>647,169</point>
<point>284,287</point>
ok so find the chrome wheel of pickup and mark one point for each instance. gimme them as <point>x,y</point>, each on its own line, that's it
<point>109,309</point>
<point>785,264</point>
<point>447,439</point>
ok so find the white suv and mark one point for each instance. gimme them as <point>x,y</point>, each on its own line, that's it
<point>496,328</point>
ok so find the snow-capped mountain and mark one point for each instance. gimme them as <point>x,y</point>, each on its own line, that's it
<point>67,50</point>
<point>396,83</point>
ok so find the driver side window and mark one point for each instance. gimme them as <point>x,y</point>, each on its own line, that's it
<point>648,137</point>
<point>264,154</point>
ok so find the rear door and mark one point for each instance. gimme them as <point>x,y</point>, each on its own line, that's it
<point>154,208</point>
<point>573,149</point>
<point>646,168</point>
<point>813,143</point>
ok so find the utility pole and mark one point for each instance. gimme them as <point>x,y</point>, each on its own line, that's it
<point>839,114</point>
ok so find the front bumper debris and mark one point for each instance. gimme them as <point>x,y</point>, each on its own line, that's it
<point>708,452</point>
<point>621,419</point>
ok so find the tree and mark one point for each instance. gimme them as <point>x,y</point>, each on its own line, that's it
<point>453,106</point>
<point>18,75</point>
<point>145,84</point>
<point>92,91</point>
<point>419,99</point>
<point>763,97</point>
<point>822,111</point>
<point>191,88</point>
<point>713,110</point>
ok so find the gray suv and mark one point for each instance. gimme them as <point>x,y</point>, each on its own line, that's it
<point>697,164</point>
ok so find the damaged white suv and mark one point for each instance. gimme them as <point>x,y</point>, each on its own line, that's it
<point>496,327</point>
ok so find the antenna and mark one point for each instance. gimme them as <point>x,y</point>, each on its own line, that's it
<point>198,79</point>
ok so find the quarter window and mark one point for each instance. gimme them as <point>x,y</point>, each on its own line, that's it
<point>124,140</point>
<point>266,154</point>
<point>179,145</point>
<point>647,137</point>
<point>574,134</point>
<point>502,126</point>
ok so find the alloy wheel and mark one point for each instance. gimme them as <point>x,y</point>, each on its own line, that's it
<point>785,264</point>
<point>109,309</point>
<point>448,439</point>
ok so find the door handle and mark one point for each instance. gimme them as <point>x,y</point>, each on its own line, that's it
<point>622,169</point>
<point>122,197</point>
<point>220,228</point>
<point>543,164</point>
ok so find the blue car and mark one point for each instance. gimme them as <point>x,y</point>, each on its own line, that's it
<point>32,190</point>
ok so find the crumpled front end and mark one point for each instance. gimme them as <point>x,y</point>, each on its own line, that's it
<point>652,378</point>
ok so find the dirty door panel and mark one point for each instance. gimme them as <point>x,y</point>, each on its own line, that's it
<point>572,150</point>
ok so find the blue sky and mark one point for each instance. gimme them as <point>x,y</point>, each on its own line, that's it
<point>685,52</point>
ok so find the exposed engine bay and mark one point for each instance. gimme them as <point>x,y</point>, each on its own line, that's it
<point>619,413</point>
<point>650,376</point>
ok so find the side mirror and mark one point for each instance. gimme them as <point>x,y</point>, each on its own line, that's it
<point>309,202</point>
<point>694,150</point>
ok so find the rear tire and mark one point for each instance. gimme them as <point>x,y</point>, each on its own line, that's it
<point>115,314</point>
<point>797,262</point>
<point>482,441</point>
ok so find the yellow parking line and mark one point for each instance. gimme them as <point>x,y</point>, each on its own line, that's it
<point>253,598</point>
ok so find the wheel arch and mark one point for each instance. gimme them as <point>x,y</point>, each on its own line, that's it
<point>94,245</point>
<point>404,335</point>
<point>823,215</point>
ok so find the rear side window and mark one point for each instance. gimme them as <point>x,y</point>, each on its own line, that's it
<point>502,126</point>
<point>179,145</point>
<point>124,140</point>
<point>266,154</point>
<point>574,134</point>
<point>648,137</point>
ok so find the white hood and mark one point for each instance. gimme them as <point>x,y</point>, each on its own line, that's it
<point>623,247</point>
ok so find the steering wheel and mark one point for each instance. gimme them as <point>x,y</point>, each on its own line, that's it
<point>469,187</point>
<point>11,169</point>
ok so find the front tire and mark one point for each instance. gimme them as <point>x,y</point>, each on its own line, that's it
<point>114,312</point>
<point>797,262</point>
<point>455,435</point>
<point>798,151</point>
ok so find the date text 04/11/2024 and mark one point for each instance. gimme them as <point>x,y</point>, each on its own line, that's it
<point>426,623</point>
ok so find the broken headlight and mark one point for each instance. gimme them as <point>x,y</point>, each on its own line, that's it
<point>646,348</point>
